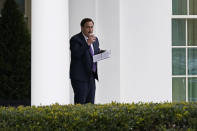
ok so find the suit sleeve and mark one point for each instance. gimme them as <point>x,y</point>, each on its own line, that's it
<point>77,48</point>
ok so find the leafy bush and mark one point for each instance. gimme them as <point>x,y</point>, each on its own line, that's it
<point>108,117</point>
<point>15,54</point>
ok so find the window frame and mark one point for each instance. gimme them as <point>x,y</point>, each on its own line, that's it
<point>186,47</point>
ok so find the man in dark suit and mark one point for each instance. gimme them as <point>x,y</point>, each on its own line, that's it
<point>83,71</point>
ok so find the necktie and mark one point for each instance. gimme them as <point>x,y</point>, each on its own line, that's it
<point>94,64</point>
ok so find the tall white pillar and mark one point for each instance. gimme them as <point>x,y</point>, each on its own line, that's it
<point>145,50</point>
<point>50,52</point>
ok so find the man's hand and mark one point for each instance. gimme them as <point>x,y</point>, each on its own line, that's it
<point>91,39</point>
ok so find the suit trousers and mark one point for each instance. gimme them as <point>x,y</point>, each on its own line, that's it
<point>84,91</point>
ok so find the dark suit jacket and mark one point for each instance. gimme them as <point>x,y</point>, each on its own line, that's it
<point>81,59</point>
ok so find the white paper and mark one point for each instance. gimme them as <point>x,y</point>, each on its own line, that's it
<point>106,54</point>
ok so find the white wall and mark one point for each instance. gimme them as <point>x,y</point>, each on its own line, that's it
<point>138,32</point>
<point>79,9</point>
<point>145,50</point>
<point>107,19</point>
<point>105,14</point>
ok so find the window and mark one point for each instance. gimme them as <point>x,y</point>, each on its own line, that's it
<point>184,50</point>
<point>1,5</point>
<point>21,4</point>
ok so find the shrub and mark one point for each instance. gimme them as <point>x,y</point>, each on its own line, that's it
<point>15,54</point>
<point>108,117</point>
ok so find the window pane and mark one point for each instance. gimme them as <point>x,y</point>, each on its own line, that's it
<point>193,7</point>
<point>192,32</point>
<point>178,61</point>
<point>192,86</point>
<point>178,89</point>
<point>178,32</point>
<point>179,7</point>
<point>21,5</point>
<point>1,5</point>
<point>192,61</point>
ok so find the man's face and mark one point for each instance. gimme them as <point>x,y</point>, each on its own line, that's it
<point>87,29</point>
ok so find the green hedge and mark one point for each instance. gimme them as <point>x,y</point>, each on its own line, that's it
<point>112,117</point>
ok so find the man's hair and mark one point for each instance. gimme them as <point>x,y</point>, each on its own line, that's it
<point>85,20</point>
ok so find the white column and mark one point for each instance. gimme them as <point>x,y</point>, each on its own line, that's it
<point>145,50</point>
<point>50,52</point>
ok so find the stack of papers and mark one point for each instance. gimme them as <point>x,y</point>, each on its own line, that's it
<point>104,54</point>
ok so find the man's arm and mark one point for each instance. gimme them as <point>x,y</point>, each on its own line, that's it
<point>77,49</point>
